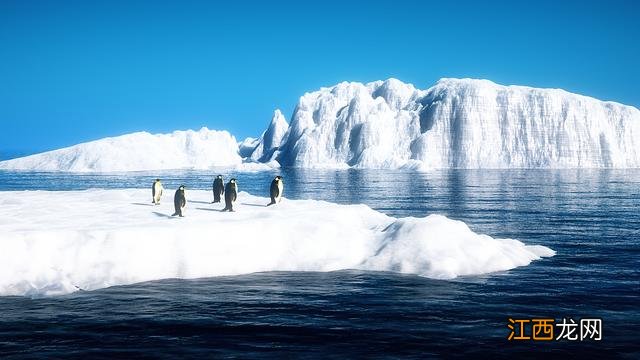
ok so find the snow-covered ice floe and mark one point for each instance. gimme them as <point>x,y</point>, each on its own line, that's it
<point>59,242</point>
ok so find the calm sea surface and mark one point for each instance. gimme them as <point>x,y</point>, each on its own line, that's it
<point>590,217</point>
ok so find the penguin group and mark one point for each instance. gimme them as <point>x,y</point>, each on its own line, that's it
<point>230,192</point>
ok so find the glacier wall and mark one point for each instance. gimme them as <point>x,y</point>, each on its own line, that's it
<point>459,123</point>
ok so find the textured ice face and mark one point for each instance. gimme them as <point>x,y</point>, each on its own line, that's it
<point>459,123</point>
<point>353,124</point>
<point>268,144</point>
<point>478,124</point>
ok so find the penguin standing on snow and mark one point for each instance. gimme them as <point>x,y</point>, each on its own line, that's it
<point>277,186</point>
<point>218,188</point>
<point>156,191</point>
<point>230,195</point>
<point>179,201</point>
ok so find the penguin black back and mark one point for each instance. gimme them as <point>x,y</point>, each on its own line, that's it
<point>218,188</point>
<point>230,194</point>
<point>276,189</point>
<point>179,201</point>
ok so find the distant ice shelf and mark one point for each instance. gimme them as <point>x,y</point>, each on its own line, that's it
<point>139,151</point>
<point>99,238</point>
<point>458,123</point>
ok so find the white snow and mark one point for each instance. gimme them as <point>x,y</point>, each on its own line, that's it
<point>250,166</point>
<point>56,242</point>
<point>139,151</point>
<point>458,123</point>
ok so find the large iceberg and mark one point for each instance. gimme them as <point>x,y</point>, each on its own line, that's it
<point>458,123</point>
<point>98,238</point>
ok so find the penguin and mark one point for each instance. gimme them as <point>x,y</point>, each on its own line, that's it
<point>230,195</point>
<point>179,201</point>
<point>218,188</point>
<point>277,186</point>
<point>156,191</point>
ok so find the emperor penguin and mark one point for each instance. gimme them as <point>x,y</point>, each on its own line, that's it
<point>156,191</point>
<point>277,186</point>
<point>230,195</point>
<point>218,188</point>
<point>179,201</point>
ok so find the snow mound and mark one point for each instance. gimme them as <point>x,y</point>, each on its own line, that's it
<point>459,123</point>
<point>99,238</point>
<point>139,151</point>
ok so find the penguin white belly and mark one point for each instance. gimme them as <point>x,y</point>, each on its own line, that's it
<point>157,192</point>
<point>280,188</point>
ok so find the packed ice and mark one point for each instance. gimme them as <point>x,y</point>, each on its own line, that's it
<point>92,239</point>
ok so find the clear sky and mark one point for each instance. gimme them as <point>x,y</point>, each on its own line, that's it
<point>73,71</point>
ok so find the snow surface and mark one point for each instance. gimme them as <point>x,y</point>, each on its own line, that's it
<point>458,123</point>
<point>139,151</point>
<point>59,242</point>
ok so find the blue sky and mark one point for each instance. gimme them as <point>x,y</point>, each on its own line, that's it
<point>73,71</point>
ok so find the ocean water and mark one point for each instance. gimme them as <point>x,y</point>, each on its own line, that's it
<point>591,218</point>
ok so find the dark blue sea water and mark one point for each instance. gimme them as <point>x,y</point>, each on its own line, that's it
<point>590,217</point>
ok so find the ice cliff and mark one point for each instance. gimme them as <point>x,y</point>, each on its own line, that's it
<point>458,123</point>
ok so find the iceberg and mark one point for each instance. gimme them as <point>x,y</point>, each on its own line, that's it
<point>94,239</point>
<point>457,123</point>
<point>139,151</point>
<point>267,145</point>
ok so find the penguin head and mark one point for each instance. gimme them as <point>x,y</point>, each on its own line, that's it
<point>233,180</point>
<point>219,176</point>
<point>181,187</point>
<point>157,180</point>
<point>278,178</point>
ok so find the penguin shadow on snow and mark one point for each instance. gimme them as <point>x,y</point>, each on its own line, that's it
<point>142,204</point>
<point>163,215</point>
<point>199,202</point>
<point>201,208</point>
